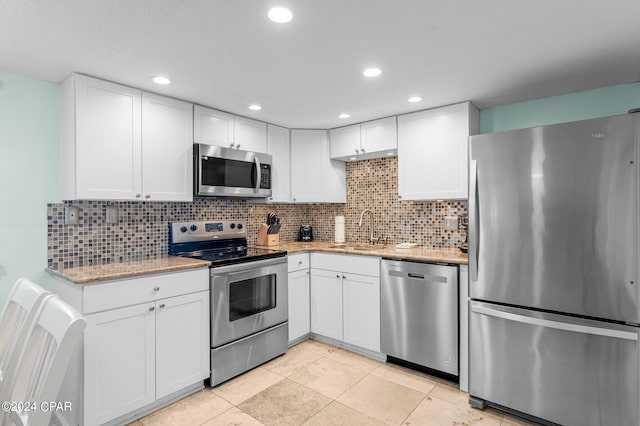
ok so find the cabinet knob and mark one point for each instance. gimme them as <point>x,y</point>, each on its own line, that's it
<point>238,146</point>
<point>337,276</point>
<point>344,278</point>
<point>362,151</point>
<point>307,272</point>
<point>299,262</point>
<point>271,198</point>
<point>153,308</point>
<point>357,151</point>
<point>232,145</point>
<point>162,305</point>
<point>138,195</point>
<point>156,289</point>
<point>399,196</point>
<point>147,196</point>
<point>294,199</point>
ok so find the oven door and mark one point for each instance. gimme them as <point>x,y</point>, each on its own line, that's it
<point>247,298</point>
<point>231,173</point>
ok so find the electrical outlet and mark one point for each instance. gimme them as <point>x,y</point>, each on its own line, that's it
<point>71,215</point>
<point>111,215</point>
<point>451,223</point>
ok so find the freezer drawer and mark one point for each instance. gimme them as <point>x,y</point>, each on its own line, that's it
<point>559,368</point>
<point>419,314</point>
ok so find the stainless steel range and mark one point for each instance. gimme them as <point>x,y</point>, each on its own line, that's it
<point>248,294</point>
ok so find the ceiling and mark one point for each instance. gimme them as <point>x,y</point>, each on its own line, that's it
<point>227,54</point>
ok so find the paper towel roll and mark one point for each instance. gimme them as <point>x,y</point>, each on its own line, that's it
<point>339,229</point>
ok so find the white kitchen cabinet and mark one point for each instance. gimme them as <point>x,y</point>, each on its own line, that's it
<point>299,296</point>
<point>345,299</point>
<point>433,152</point>
<point>121,144</point>
<point>372,139</point>
<point>213,127</point>
<point>315,178</point>
<point>326,303</point>
<point>146,339</point>
<point>361,310</point>
<point>278,148</point>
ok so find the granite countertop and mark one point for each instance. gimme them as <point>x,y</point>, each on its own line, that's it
<point>443,255</point>
<point>114,271</point>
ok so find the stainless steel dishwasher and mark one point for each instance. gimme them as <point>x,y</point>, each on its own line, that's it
<point>419,314</point>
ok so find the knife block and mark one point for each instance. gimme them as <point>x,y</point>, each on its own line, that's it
<point>265,239</point>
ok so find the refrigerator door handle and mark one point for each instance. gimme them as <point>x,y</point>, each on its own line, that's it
<point>541,322</point>
<point>474,216</point>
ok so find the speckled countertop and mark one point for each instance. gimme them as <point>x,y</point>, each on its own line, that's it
<point>444,255</point>
<point>114,271</point>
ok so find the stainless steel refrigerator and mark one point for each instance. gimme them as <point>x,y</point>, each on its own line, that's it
<point>553,265</point>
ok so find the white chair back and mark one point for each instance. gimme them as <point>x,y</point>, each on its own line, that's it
<point>37,371</point>
<point>16,316</point>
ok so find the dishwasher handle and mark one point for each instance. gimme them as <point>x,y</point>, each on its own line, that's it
<point>418,277</point>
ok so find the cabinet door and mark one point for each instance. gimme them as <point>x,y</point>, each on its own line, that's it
<point>326,303</point>
<point>307,150</point>
<point>212,127</point>
<point>299,293</point>
<point>379,135</point>
<point>119,362</point>
<point>278,148</point>
<point>167,146</point>
<point>250,135</point>
<point>361,310</point>
<point>432,153</point>
<point>108,140</point>
<point>182,342</point>
<point>345,142</point>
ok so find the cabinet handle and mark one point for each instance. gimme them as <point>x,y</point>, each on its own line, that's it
<point>156,289</point>
<point>138,195</point>
<point>238,146</point>
<point>337,276</point>
<point>153,308</point>
<point>294,199</point>
<point>147,196</point>
<point>362,151</point>
<point>344,278</point>
<point>162,305</point>
<point>399,196</point>
<point>232,145</point>
<point>357,151</point>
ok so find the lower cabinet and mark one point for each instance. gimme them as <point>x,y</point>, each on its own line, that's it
<point>146,339</point>
<point>298,297</point>
<point>345,302</point>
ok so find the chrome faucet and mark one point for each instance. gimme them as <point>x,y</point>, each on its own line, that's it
<point>372,239</point>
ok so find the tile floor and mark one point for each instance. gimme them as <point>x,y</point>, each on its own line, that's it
<point>316,384</point>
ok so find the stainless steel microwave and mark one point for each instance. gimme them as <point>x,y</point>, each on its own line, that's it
<point>225,172</point>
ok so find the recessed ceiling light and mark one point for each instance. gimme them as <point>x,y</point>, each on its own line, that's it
<point>344,115</point>
<point>372,72</point>
<point>161,80</point>
<point>280,15</point>
<point>255,107</point>
<point>415,99</point>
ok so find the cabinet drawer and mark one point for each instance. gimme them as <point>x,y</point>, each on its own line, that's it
<point>115,294</point>
<point>298,262</point>
<point>363,265</point>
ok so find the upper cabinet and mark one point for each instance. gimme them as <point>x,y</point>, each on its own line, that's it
<point>315,178</point>
<point>373,139</point>
<point>213,127</point>
<point>278,148</point>
<point>121,144</point>
<point>433,152</point>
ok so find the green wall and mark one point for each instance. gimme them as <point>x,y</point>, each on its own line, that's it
<point>612,100</point>
<point>29,176</point>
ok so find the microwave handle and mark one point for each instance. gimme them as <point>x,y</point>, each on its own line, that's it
<point>258,174</point>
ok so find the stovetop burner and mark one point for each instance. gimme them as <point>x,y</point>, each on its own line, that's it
<point>220,242</point>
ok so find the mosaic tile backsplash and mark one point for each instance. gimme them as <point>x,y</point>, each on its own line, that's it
<point>141,231</point>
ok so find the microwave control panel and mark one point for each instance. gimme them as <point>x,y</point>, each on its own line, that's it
<point>265,176</point>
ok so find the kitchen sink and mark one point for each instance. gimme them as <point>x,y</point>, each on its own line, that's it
<point>360,247</point>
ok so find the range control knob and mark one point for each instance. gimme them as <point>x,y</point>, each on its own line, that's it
<point>232,226</point>
<point>183,229</point>
<point>193,227</point>
<point>239,226</point>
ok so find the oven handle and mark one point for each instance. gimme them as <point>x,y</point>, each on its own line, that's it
<point>248,266</point>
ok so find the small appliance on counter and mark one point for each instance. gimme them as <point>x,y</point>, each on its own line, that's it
<point>305,233</point>
<point>339,232</point>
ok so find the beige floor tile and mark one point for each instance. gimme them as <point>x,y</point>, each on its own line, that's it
<point>323,348</point>
<point>382,399</point>
<point>233,417</point>
<point>329,377</point>
<point>451,394</point>
<point>296,358</point>
<point>403,376</point>
<point>436,412</point>
<point>246,385</point>
<point>336,414</point>
<point>193,410</point>
<point>285,403</point>
<point>356,360</point>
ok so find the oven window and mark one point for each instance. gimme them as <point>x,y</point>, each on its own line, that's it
<point>249,297</point>
<point>230,173</point>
